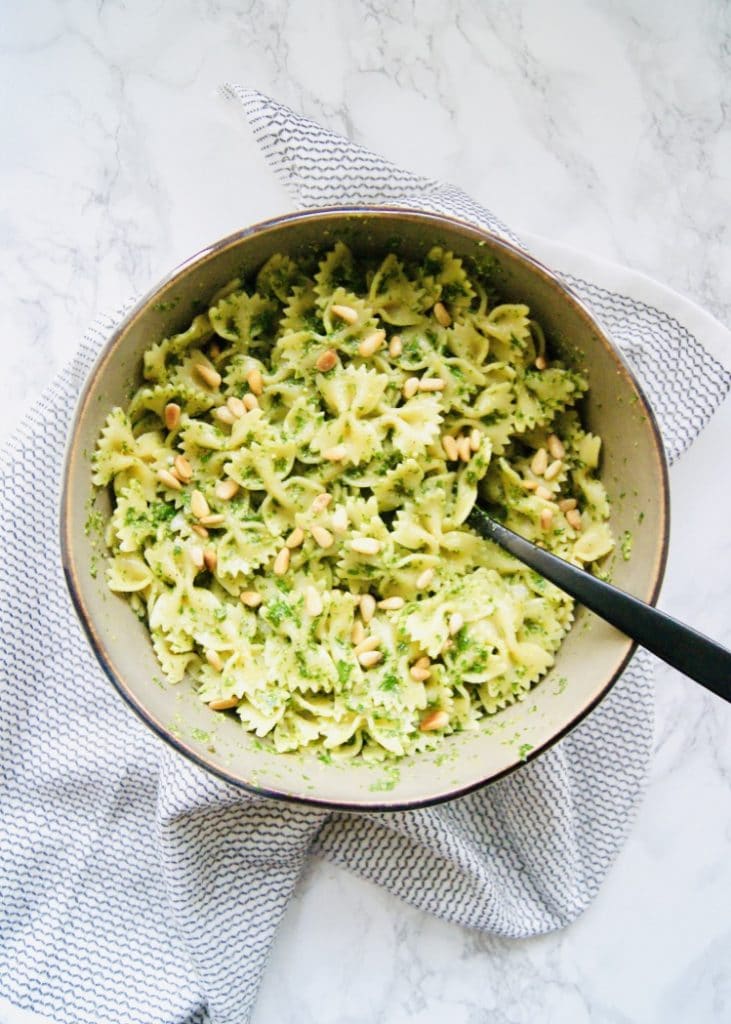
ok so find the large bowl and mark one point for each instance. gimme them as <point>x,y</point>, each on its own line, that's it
<point>591,657</point>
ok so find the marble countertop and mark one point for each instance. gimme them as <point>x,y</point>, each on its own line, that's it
<point>604,126</point>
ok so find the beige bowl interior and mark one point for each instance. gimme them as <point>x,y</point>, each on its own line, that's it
<point>592,655</point>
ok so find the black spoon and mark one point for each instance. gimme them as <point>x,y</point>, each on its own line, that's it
<point>680,646</point>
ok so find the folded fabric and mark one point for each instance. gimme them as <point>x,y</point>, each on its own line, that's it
<point>136,888</point>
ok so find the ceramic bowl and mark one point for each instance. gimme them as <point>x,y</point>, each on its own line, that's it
<point>591,657</point>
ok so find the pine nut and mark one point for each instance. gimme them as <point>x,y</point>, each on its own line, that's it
<point>475,439</point>
<point>215,519</point>
<point>431,384</point>
<point>423,662</point>
<point>369,658</point>
<point>313,602</point>
<point>200,530</point>
<point>425,579</point>
<point>172,415</point>
<point>530,485</point>
<point>411,386</point>
<point>573,518</point>
<point>224,704</point>
<point>555,446</point>
<point>543,492</point>
<point>434,720</point>
<point>541,363</point>
<point>209,376</point>
<point>198,505</point>
<point>339,519</point>
<point>336,454</point>
<point>322,536</point>
<point>567,504</point>
<point>210,559</point>
<point>236,406</point>
<point>250,598</point>
<point>250,402</point>
<point>357,632</point>
<point>449,444</point>
<point>255,381</point>
<point>214,660</point>
<point>214,350</point>
<point>441,314</point>
<point>321,502</point>
<point>196,556</point>
<point>395,346</point>
<point>368,643</point>
<point>553,470</point>
<point>546,518</point>
<point>365,545</point>
<point>391,604</point>
<point>370,345</point>
<point>183,469</point>
<point>226,489</point>
<point>326,361</point>
<point>456,621</point>
<point>540,462</point>
<point>281,562</point>
<point>463,447</point>
<point>224,415</point>
<point>419,674</point>
<point>169,480</point>
<point>295,538</point>
<point>367,607</point>
<point>345,313</point>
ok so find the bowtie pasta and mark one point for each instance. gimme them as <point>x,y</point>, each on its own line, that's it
<point>291,484</point>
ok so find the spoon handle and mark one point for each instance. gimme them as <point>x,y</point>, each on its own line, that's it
<point>680,646</point>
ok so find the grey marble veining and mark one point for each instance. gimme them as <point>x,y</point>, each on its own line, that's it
<point>602,125</point>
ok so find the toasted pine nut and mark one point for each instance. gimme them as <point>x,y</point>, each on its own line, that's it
<point>214,350</point>
<point>339,519</point>
<point>200,530</point>
<point>541,363</point>
<point>530,485</point>
<point>539,462</point>
<point>224,704</point>
<point>370,345</point>
<point>368,643</point>
<point>183,469</point>
<point>391,604</point>
<point>463,447</point>
<point>210,559</point>
<point>573,518</point>
<point>567,504</point>
<point>441,314</point>
<point>366,545</point>
<point>449,444</point>
<point>357,632</point>
<point>369,658</point>
<point>196,556</point>
<point>434,720</point>
<point>198,505</point>
<point>336,454</point>
<point>322,536</point>
<point>313,602</point>
<point>546,518</point>
<point>345,313</point>
<point>411,386</point>
<point>543,492</point>
<point>475,439</point>
<point>425,579</point>
<point>236,406</point>
<point>281,562</point>
<point>431,384</point>
<point>227,489</point>
<point>456,621</point>
<point>167,478</point>
<point>224,415</point>
<point>419,674</point>
<point>423,662</point>
<point>214,660</point>
<point>295,538</point>
<point>250,401</point>
<point>555,446</point>
<point>326,361</point>
<point>395,346</point>
<point>215,519</point>
<point>367,607</point>
<point>255,381</point>
<point>209,376</point>
<point>321,502</point>
<point>250,598</point>
<point>553,470</point>
<point>172,415</point>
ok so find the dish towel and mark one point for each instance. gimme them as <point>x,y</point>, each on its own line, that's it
<point>134,887</point>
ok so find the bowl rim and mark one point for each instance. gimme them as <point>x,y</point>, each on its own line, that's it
<point>72,455</point>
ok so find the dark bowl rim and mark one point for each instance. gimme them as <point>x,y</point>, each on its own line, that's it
<point>396,213</point>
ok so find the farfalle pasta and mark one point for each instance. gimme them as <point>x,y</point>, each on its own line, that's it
<point>291,484</point>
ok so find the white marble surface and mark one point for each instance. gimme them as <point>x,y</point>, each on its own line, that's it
<point>604,125</point>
